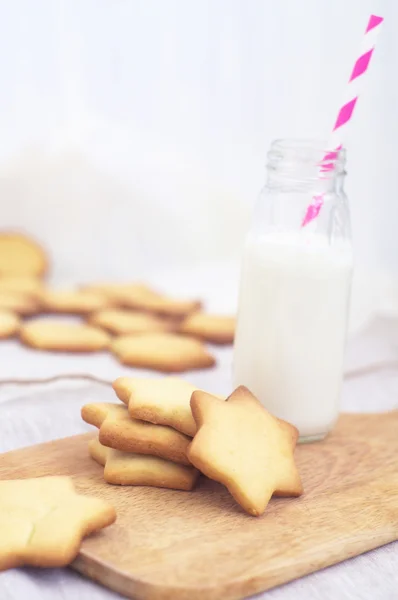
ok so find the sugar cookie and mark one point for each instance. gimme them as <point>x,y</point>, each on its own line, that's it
<point>119,431</point>
<point>49,334</point>
<point>163,305</point>
<point>73,302</point>
<point>164,401</point>
<point>118,321</point>
<point>216,329</point>
<point>240,444</point>
<point>20,255</point>
<point>28,286</point>
<point>126,468</point>
<point>122,294</point>
<point>17,302</point>
<point>43,521</point>
<point>9,324</point>
<point>165,352</point>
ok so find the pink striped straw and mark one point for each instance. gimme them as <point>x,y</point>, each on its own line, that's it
<point>347,110</point>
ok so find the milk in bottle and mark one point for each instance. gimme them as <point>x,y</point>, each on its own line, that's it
<point>294,292</point>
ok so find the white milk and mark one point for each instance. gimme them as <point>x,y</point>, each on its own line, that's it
<point>289,344</point>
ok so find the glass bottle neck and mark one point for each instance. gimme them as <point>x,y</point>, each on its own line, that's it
<point>280,181</point>
<point>304,166</point>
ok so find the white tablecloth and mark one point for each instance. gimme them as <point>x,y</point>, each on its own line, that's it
<point>371,384</point>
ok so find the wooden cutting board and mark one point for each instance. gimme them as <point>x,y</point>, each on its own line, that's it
<point>171,545</point>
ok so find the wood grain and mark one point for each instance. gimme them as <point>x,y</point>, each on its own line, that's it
<point>171,545</point>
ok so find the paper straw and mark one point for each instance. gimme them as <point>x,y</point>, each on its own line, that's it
<point>347,109</point>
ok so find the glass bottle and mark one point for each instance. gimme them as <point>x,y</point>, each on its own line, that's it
<point>295,287</point>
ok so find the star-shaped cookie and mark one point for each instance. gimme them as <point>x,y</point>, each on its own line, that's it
<point>241,445</point>
<point>43,521</point>
<point>57,335</point>
<point>164,401</point>
<point>120,431</point>
<point>166,352</point>
<point>73,302</point>
<point>216,329</point>
<point>120,322</point>
<point>127,468</point>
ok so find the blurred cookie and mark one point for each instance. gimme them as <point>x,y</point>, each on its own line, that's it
<point>20,255</point>
<point>118,321</point>
<point>9,324</point>
<point>139,296</point>
<point>163,305</point>
<point>19,303</point>
<point>49,334</point>
<point>164,352</point>
<point>120,431</point>
<point>241,445</point>
<point>73,302</point>
<point>122,293</point>
<point>216,329</point>
<point>43,521</point>
<point>125,468</point>
<point>28,286</point>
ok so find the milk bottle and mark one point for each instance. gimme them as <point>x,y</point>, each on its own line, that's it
<point>294,291</point>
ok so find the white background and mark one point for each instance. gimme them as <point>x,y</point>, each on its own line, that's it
<point>133,134</point>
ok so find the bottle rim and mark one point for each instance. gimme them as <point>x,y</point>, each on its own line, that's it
<point>289,153</point>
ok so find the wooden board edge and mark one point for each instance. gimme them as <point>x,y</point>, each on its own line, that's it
<point>88,435</point>
<point>238,589</point>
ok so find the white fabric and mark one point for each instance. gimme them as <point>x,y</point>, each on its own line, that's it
<point>32,413</point>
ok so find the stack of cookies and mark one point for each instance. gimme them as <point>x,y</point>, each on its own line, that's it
<point>141,327</point>
<point>145,440</point>
<point>166,432</point>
